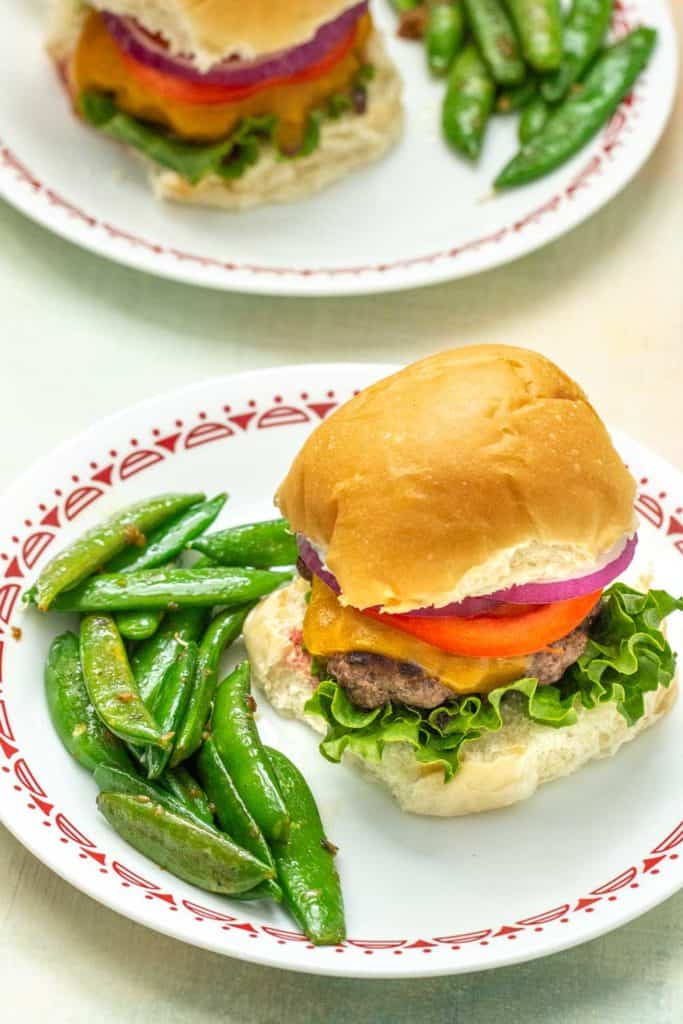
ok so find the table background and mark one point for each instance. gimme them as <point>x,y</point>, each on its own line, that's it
<point>82,337</point>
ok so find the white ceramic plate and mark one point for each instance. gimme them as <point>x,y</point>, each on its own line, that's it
<point>424,896</point>
<point>418,217</point>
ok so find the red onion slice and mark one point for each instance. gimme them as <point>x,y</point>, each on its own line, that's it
<point>528,593</point>
<point>148,50</point>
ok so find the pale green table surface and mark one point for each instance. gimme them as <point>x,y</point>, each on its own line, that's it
<point>82,337</point>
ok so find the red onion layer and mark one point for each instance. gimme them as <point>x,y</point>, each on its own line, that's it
<point>147,49</point>
<point>528,593</point>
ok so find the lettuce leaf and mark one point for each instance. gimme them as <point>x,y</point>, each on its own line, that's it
<point>229,158</point>
<point>627,656</point>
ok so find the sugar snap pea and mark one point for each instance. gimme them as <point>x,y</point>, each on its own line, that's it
<point>468,103</point>
<point>583,113</point>
<point>169,706</point>
<point>239,746</point>
<point>584,32</point>
<point>199,855</point>
<point>168,588</point>
<point>511,100</point>
<point>220,634</point>
<point>233,816</point>
<point>401,6</point>
<point>169,539</point>
<point>96,547</point>
<point>185,788</point>
<point>152,659</point>
<point>74,718</point>
<point>116,780</point>
<point>305,864</point>
<point>136,625</point>
<point>259,545</point>
<point>533,119</point>
<point>497,40</point>
<point>444,34</point>
<point>539,25</point>
<point>111,685</point>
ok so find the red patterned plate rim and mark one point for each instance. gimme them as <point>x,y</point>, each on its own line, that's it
<point>655,873</point>
<point>568,203</point>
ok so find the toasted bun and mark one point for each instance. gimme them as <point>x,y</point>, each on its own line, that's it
<point>212,30</point>
<point>497,770</point>
<point>465,473</point>
<point>350,142</point>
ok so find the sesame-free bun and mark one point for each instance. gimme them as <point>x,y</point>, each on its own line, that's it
<point>463,474</point>
<point>212,30</point>
<point>499,769</point>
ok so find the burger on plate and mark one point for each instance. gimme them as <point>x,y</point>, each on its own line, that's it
<point>232,104</point>
<point>456,627</point>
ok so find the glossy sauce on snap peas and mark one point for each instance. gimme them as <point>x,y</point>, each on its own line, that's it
<point>185,788</point>
<point>231,812</point>
<point>468,103</point>
<point>259,545</point>
<point>444,35</point>
<point>199,855</point>
<point>584,32</point>
<point>71,712</point>
<point>96,547</point>
<point>497,40</point>
<point>170,539</point>
<point>219,636</point>
<point>539,25</point>
<point>239,745</point>
<point>583,113</point>
<point>305,864</point>
<point>110,779</point>
<point>169,588</point>
<point>169,706</point>
<point>139,625</point>
<point>533,119</point>
<point>111,684</point>
<point>151,660</point>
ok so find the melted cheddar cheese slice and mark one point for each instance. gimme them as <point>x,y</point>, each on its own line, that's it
<point>97,64</point>
<point>330,628</point>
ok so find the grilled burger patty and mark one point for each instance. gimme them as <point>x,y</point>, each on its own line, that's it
<point>371,680</point>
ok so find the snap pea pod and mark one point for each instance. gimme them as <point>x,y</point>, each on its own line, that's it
<point>468,103</point>
<point>116,780</point>
<point>539,26</point>
<point>444,34</point>
<point>239,745</point>
<point>169,588</point>
<point>221,633</point>
<point>533,119</point>
<point>199,855</point>
<point>168,540</point>
<point>185,788</point>
<point>305,864</point>
<point>497,40</point>
<point>584,32</point>
<point>511,100</point>
<point>169,706</point>
<point>96,547</point>
<point>259,545</point>
<point>139,625</point>
<point>74,718</point>
<point>151,660</point>
<point>401,6</point>
<point>583,113</point>
<point>233,817</point>
<point>111,684</point>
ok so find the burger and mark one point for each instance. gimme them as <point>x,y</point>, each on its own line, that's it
<point>456,628</point>
<point>231,104</point>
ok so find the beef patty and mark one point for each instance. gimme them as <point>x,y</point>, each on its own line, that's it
<point>371,680</point>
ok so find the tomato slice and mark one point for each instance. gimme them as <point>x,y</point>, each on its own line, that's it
<point>172,87</point>
<point>510,632</point>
